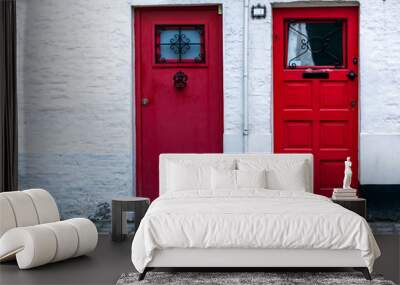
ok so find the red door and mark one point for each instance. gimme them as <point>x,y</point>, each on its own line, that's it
<point>178,84</point>
<point>316,89</point>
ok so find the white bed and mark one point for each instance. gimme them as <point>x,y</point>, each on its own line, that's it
<point>247,226</point>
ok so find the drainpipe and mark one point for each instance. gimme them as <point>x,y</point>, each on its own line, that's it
<point>245,76</point>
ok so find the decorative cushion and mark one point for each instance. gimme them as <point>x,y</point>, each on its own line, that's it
<point>282,174</point>
<point>223,179</point>
<point>191,174</point>
<point>236,179</point>
<point>251,178</point>
<point>292,179</point>
<point>182,177</point>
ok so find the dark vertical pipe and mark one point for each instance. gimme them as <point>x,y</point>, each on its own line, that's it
<point>8,97</point>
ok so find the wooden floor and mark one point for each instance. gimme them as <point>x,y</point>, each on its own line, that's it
<point>110,260</point>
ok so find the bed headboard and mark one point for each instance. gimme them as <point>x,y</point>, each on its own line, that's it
<point>166,158</point>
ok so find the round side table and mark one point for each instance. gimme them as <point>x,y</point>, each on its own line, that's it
<point>120,206</point>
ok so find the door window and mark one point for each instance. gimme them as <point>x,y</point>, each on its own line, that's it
<point>180,44</point>
<point>315,44</point>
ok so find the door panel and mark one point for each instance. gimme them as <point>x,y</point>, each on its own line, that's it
<point>315,100</point>
<point>177,115</point>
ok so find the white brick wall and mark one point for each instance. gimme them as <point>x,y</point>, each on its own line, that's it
<point>75,93</point>
<point>75,100</point>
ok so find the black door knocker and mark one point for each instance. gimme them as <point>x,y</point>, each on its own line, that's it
<point>180,79</point>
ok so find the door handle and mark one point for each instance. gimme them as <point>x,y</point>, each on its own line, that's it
<point>351,75</point>
<point>145,101</point>
<point>353,104</point>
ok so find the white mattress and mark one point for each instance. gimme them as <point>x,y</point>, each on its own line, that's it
<point>250,219</point>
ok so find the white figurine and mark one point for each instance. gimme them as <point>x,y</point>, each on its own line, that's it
<point>347,174</point>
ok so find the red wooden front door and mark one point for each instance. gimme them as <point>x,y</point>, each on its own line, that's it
<point>316,89</point>
<point>178,84</point>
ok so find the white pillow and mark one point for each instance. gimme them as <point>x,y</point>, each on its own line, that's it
<point>292,180</point>
<point>282,174</point>
<point>251,178</point>
<point>187,177</point>
<point>223,179</point>
<point>193,174</point>
<point>228,179</point>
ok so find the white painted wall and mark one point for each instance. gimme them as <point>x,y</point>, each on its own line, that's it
<point>380,92</point>
<point>75,93</point>
<point>75,100</point>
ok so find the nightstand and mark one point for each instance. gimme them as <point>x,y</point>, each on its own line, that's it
<point>122,205</point>
<point>358,206</point>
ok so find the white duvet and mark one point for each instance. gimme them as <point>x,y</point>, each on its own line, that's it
<point>250,219</point>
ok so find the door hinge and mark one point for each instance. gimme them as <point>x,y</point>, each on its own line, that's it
<point>220,9</point>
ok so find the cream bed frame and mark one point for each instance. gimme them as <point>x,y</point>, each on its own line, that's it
<point>251,258</point>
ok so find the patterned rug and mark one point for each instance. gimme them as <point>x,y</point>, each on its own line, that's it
<point>244,278</point>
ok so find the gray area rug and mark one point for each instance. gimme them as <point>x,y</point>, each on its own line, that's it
<point>236,278</point>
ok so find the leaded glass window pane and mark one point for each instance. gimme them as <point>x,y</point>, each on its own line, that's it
<point>315,44</point>
<point>180,44</point>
